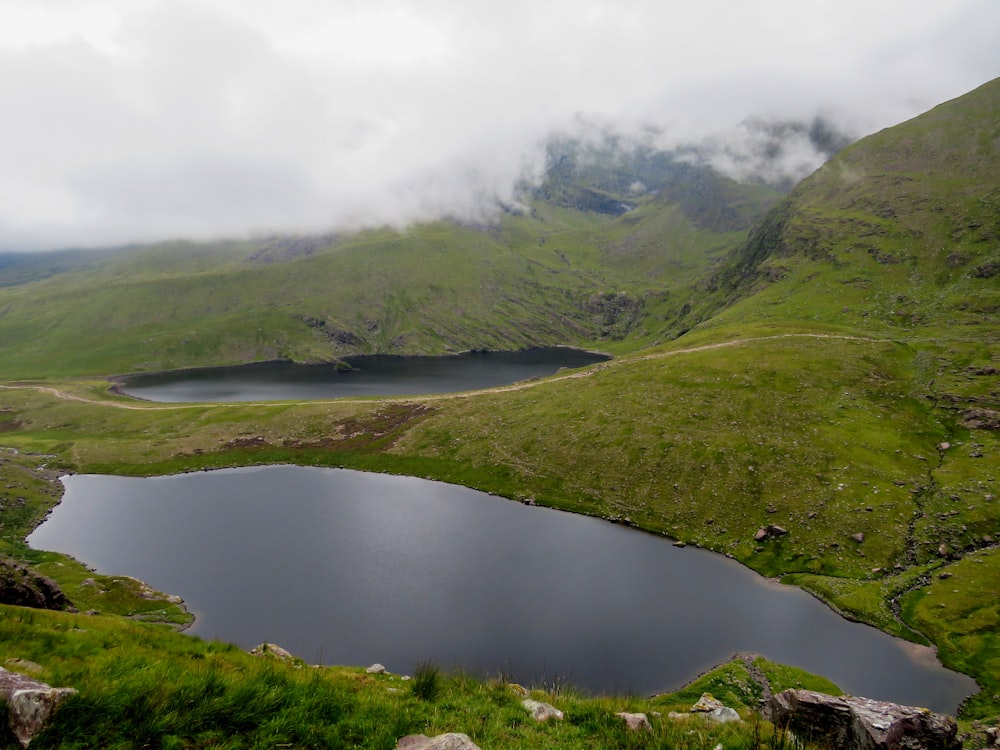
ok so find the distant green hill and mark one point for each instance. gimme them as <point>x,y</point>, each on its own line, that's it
<point>557,274</point>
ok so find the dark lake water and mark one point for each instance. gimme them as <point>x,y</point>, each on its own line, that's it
<point>371,376</point>
<point>344,567</point>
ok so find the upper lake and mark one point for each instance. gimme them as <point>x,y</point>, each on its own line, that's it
<point>345,567</point>
<point>371,376</point>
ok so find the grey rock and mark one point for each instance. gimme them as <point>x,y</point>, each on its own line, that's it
<point>706,703</point>
<point>519,690</point>
<point>635,722</point>
<point>859,537</point>
<point>981,419</point>
<point>723,715</point>
<point>855,723</point>
<point>449,741</point>
<point>541,711</point>
<point>272,650</point>
<point>30,704</point>
<point>375,669</point>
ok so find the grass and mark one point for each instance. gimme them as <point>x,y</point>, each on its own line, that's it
<point>143,685</point>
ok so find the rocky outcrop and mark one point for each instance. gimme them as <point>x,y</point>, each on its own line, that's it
<point>981,419</point>
<point>25,588</point>
<point>771,531</point>
<point>30,704</point>
<point>861,723</point>
<point>449,741</point>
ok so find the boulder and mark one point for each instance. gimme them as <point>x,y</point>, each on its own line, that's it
<point>707,703</point>
<point>541,711</point>
<point>449,741</point>
<point>861,723</point>
<point>981,419</point>
<point>30,704</point>
<point>635,722</point>
<point>23,587</point>
<point>272,650</point>
<point>723,715</point>
<point>771,531</point>
<point>375,669</point>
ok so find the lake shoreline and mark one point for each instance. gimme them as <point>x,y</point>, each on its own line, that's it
<point>650,533</point>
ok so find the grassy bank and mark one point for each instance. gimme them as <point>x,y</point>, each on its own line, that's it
<point>141,685</point>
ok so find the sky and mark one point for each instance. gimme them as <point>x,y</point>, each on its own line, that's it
<point>139,120</point>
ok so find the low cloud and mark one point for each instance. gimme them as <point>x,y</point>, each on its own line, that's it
<point>144,120</point>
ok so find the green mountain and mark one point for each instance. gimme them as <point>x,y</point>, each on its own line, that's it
<point>900,233</point>
<point>559,273</point>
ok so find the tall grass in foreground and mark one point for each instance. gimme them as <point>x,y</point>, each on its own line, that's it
<point>147,686</point>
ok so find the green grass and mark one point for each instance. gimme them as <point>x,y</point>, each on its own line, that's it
<point>142,685</point>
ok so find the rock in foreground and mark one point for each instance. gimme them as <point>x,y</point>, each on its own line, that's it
<point>30,703</point>
<point>450,741</point>
<point>861,723</point>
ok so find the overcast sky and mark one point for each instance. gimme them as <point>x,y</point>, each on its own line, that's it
<point>138,120</point>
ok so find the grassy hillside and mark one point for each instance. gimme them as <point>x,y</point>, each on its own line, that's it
<point>554,275</point>
<point>141,685</point>
<point>899,234</point>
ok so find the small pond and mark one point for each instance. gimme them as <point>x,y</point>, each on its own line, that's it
<point>370,376</point>
<point>344,567</point>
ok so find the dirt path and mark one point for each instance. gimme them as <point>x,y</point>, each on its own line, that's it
<point>592,370</point>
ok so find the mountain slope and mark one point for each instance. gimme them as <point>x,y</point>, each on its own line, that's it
<point>899,233</point>
<point>553,275</point>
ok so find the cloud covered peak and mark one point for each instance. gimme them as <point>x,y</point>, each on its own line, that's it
<point>137,120</point>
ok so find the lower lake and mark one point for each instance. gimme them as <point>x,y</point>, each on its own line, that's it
<point>345,567</point>
<point>369,376</point>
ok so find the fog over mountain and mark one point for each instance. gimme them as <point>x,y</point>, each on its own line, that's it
<point>143,120</point>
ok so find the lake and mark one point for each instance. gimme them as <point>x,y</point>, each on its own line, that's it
<point>371,376</point>
<point>345,567</point>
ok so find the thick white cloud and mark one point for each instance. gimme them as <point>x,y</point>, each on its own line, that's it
<point>133,120</point>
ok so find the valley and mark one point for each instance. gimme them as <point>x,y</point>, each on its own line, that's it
<point>824,363</point>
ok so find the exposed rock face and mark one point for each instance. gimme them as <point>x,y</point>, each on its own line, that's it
<point>981,419</point>
<point>21,586</point>
<point>771,531</point>
<point>541,711</point>
<point>30,704</point>
<point>450,741</point>
<point>862,724</point>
